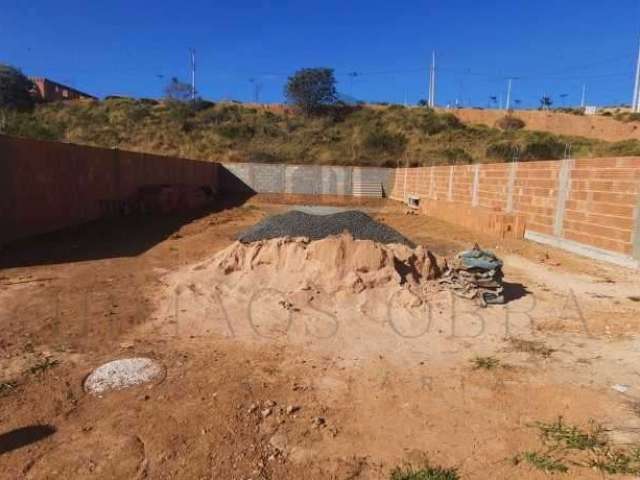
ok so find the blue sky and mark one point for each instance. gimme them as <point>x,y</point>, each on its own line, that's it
<point>133,47</point>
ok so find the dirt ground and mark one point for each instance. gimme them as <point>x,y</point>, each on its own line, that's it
<point>348,400</point>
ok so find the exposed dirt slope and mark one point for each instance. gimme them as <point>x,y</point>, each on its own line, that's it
<point>589,126</point>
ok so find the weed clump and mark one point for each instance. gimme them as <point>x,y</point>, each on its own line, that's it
<point>43,365</point>
<point>426,473</point>
<point>485,363</point>
<point>534,347</point>
<point>566,445</point>
<point>7,387</point>
<point>542,461</point>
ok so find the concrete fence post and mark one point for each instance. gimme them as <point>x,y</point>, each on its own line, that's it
<point>475,194</point>
<point>283,173</point>
<point>563,188</point>
<point>450,193</point>
<point>636,229</point>
<point>404,189</point>
<point>432,183</point>
<point>511,182</point>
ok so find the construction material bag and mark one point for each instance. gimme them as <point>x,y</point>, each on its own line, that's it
<point>475,274</point>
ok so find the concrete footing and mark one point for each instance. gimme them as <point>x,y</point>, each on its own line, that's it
<point>582,249</point>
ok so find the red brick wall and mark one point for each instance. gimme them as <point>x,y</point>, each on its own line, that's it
<point>45,186</point>
<point>597,205</point>
<point>600,208</point>
<point>535,194</point>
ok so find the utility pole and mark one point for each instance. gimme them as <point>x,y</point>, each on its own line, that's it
<point>584,94</point>
<point>193,74</point>
<point>432,81</point>
<point>257,88</point>
<point>510,80</point>
<point>635,107</point>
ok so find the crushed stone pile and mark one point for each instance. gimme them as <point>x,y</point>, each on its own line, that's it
<point>475,274</point>
<point>315,227</point>
<point>333,263</point>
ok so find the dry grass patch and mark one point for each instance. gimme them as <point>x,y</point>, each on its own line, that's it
<point>534,347</point>
<point>566,446</point>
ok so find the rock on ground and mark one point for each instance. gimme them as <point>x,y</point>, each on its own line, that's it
<point>123,373</point>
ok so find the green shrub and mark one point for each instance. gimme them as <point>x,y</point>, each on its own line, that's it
<point>433,123</point>
<point>545,148</point>
<point>624,148</point>
<point>632,117</point>
<point>15,89</point>
<point>263,157</point>
<point>571,110</point>
<point>236,131</point>
<point>501,150</point>
<point>201,104</point>
<point>453,155</point>
<point>178,111</point>
<point>384,141</point>
<point>25,125</point>
<point>509,122</point>
<point>148,101</point>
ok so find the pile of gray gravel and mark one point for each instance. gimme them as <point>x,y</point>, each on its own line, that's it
<point>315,227</point>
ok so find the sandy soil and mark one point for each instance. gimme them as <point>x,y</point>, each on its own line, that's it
<point>372,383</point>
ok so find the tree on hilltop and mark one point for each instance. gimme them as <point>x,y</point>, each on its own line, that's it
<point>178,91</point>
<point>310,89</point>
<point>546,102</point>
<point>15,89</point>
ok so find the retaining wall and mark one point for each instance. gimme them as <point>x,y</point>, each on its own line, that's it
<point>588,206</point>
<point>300,179</point>
<point>46,186</point>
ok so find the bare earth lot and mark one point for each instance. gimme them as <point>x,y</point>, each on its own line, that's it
<point>368,393</point>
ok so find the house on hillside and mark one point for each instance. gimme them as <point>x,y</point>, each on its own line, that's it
<point>49,91</point>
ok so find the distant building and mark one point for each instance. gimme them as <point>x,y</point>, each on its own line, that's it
<point>50,91</point>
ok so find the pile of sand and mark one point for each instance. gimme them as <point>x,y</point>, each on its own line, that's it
<point>333,288</point>
<point>334,263</point>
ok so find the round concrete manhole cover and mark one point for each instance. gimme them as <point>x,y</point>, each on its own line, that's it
<point>124,373</point>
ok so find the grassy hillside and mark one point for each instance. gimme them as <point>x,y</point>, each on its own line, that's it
<point>232,132</point>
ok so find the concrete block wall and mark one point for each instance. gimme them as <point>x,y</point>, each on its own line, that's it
<point>299,179</point>
<point>588,206</point>
<point>46,186</point>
